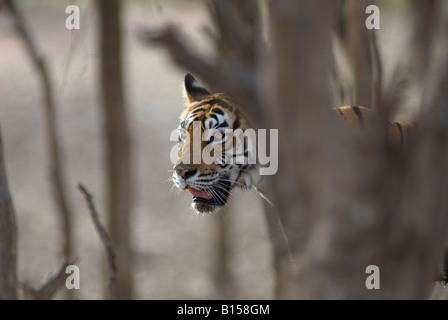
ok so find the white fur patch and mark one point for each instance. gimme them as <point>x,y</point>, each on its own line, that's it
<point>252,178</point>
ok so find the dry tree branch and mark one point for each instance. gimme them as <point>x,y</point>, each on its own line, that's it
<point>237,23</point>
<point>8,237</point>
<point>237,82</point>
<point>52,132</point>
<point>113,285</point>
<point>46,291</point>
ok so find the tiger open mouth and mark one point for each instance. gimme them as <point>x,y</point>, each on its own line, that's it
<point>213,196</point>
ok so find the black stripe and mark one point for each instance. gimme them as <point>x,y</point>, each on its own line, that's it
<point>196,110</point>
<point>214,117</point>
<point>212,102</point>
<point>340,112</point>
<point>401,132</point>
<point>359,114</point>
<point>236,124</point>
<point>223,125</point>
<point>218,111</point>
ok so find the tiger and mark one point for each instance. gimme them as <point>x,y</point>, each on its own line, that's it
<point>211,183</point>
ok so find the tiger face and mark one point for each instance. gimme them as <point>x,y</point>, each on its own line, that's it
<point>207,124</point>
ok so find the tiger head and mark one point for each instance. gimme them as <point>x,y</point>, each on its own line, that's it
<point>207,124</point>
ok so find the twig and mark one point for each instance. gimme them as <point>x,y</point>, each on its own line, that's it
<point>52,133</point>
<point>105,240</point>
<point>53,284</point>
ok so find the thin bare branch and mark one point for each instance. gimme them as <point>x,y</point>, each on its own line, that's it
<point>105,240</point>
<point>47,291</point>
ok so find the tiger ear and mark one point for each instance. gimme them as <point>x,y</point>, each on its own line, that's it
<point>194,91</point>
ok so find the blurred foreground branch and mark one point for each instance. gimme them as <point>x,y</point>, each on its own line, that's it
<point>113,285</point>
<point>238,82</point>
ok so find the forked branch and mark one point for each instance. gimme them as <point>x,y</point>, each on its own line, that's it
<point>105,240</point>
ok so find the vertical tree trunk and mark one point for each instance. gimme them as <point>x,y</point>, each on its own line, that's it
<point>8,237</point>
<point>222,277</point>
<point>116,133</point>
<point>298,95</point>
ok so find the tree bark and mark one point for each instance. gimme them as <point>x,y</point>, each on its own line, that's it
<point>116,134</point>
<point>297,96</point>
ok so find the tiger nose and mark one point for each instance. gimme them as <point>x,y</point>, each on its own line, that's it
<point>186,173</point>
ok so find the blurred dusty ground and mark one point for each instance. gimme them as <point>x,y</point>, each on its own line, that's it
<point>174,249</point>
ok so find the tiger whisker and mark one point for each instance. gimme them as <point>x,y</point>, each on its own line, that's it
<point>171,179</point>
<point>231,181</point>
<point>216,193</point>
